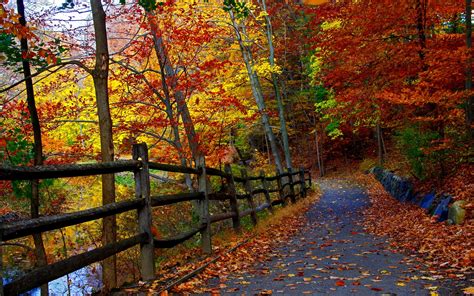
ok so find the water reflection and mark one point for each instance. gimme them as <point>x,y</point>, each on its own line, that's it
<point>84,281</point>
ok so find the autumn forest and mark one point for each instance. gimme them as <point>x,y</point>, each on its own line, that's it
<point>180,146</point>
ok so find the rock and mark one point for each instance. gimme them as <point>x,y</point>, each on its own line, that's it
<point>378,172</point>
<point>407,191</point>
<point>457,213</point>
<point>427,200</point>
<point>441,211</point>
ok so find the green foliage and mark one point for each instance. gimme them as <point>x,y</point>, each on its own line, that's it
<point>148,5</point>
<point>10,51</point>
<point>367,164</point>
<point>11,56</point>
<point>125,180</point>
<point>17,151</point>
<point>241,141</point>
<point>240,8</point>
<point>414,142</point>
<point>456,25</point>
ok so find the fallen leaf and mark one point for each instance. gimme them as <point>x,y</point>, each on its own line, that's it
<point>376,289</point>
<point>469,290</point>
<point>340,283</point>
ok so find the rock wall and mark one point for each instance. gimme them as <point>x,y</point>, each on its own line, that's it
<point>436,205</point>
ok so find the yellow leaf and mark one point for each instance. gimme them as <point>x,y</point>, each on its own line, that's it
<point>401,284</point>
<point>469,290</point>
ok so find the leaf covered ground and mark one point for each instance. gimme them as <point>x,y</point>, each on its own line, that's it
<point>233,253</point>
<point>332,246</point>
<point>448,250</point>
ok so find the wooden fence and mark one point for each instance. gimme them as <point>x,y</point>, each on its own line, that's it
<point>143,204</point>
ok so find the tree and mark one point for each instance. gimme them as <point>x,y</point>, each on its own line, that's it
<point>100,76</point>
<point>276,84</point>
<point>470,98</point>
<point>37,143</point>
<point>237,14</point>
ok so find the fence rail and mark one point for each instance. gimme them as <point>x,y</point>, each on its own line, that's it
<point>143,204</point>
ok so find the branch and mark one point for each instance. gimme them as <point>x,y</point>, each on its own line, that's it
<point>59,65</point>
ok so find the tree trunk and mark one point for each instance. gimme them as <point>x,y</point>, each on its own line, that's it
<point>379,145</point>
<point>100,77</point>
<point>40,252</point>
<point>177,140</point>
<point>276,87</point>
<point>257,91</point>
<point>318,154</point>
<point>470,97</point>
<point>420,26</point>
<point>168,74</point>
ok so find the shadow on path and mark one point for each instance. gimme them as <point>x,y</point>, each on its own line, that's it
<point>333,255</point>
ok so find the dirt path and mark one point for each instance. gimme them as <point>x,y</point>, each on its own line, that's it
<point>333,255</point>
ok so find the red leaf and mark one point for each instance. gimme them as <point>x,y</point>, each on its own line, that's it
<point>376,289</point>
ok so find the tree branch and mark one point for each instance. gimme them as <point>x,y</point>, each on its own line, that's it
<point>59,66</point>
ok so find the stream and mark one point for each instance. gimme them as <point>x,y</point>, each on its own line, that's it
<point>79,282</point>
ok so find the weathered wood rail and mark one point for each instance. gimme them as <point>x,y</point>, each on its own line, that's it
<point>143,204</point>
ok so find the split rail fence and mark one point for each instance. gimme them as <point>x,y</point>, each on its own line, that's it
<point>143,204</point>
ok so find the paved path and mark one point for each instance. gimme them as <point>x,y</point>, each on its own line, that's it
<point>334,256</point>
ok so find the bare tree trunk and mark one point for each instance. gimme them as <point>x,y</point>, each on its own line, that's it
<point>40,252</point>
<point>420,25</point>
<point>177,140</point>
<point>276,87</point>
<point>168,74</point>
<point>318,154</point>
<point>100,77</point>
<point>470,98</point>
<point>379,145</point>
<point>256,90</point>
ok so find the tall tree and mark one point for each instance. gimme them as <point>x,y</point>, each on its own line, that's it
<point>276,84</point>
<point>237,17</point>
<point>37,142</point>
<point>100,76</point>
<point>470,98</point>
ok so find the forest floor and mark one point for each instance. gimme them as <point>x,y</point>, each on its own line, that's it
<point>322,245</point>
<point>332,254</point>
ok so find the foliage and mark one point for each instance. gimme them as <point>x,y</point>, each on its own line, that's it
<point>414,143</point>
<point>240,8</point>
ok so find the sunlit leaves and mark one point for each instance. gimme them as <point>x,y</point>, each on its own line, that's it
<point>239,7</point>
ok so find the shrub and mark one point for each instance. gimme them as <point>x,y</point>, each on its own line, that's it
<point>415,144</point>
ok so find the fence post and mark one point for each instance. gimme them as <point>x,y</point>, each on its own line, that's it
<point>310,181</point>
<point>142,190</point>
<point>281,194</point>
<point>248,191</point>
<point>234,206</point>
<point>205,219</point>
<point>267,194</point>
<point>303,183</point>
<point>292,185</point>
